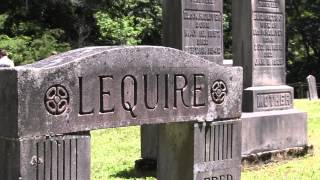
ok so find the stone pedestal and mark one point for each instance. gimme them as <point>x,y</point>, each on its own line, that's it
<point>59,157</point>
<point>274,130</point>
<point>200,151</point>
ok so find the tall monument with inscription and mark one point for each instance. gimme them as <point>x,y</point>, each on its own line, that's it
<point>194,26</point>
<point>270,122</point>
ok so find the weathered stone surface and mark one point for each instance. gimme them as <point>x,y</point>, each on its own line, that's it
<point>201,151</point>
<point>103,87</point>
<point>149,141</point>
<point>58,157</point>
<point>268,98</point>
<point>259,47</point>
<point>195,27</point>
<point>274,130</point>
<point>313,92</point>
<point>259,41</point>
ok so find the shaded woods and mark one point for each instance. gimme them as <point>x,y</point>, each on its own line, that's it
<point>31,30</point>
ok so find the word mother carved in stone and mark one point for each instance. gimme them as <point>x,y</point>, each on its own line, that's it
<point>102,87</point>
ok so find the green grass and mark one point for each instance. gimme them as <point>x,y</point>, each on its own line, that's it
<point>115,150</point>
<point>305,168</point>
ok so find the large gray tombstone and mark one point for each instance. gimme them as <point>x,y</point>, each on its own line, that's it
<point>312,83</point>
<point>48,108</point>
<point>270,123</point>
<point>197,28</point>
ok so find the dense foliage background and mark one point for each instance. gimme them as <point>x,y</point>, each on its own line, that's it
<point>31,30</point>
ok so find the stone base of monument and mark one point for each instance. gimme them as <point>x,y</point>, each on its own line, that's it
<point>201,151</point>
<point>273,130</point>
<point>276,155</point>
<point>58,157</point>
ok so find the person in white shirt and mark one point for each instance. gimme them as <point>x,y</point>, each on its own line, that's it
<point>4,60</point>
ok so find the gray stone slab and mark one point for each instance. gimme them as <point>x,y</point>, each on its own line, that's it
<point>103,87</point>
<point>259,47</point>
<point>149,141</point>
<point>200,151</point>
<point>313,92</point>
<point>268,98</point>
<point>274,130</point>
<point>195,27</point>
<point>60,157</point>
<point>259,41</point>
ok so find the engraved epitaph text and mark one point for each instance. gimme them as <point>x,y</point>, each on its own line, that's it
<point>202,28</point>
<point>268,42</point>
<point>142,92</point>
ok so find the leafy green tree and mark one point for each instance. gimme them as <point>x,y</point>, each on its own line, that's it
<point>303,39</point>
<point>130,22</point>
<point>27,42</point>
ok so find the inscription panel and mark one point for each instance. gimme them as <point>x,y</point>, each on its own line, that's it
<point>268,43</point>
<point>220,171</point>
<point>143,95</point>
<point>217,152</point>
<point>274,100</point>
<point>124,86</point>
<point>202,29</point>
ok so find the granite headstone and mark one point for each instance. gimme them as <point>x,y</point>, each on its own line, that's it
<point>312,83</point>
<point>194,26</point>
<point>48,108</point>
<point>259,47</point>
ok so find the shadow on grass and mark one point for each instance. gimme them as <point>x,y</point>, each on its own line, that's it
<point>133,173</point>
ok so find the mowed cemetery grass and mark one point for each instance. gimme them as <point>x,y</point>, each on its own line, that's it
<point>114,152</point>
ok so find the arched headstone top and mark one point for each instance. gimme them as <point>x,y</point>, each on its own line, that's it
<point>133,56</point>
<point>104,87</point>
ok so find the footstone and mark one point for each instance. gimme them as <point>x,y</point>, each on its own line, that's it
<point>200,151</point>
<point>270,123</point>
<point>57,157</point>
<point>313,92</point>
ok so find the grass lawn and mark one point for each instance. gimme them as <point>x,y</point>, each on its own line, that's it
<point>115,150</point>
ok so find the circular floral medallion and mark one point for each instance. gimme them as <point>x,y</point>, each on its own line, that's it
<point>56,100</point>
<point>219,91</point>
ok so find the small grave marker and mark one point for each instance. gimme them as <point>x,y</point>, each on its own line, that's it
<point>312,83</point>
